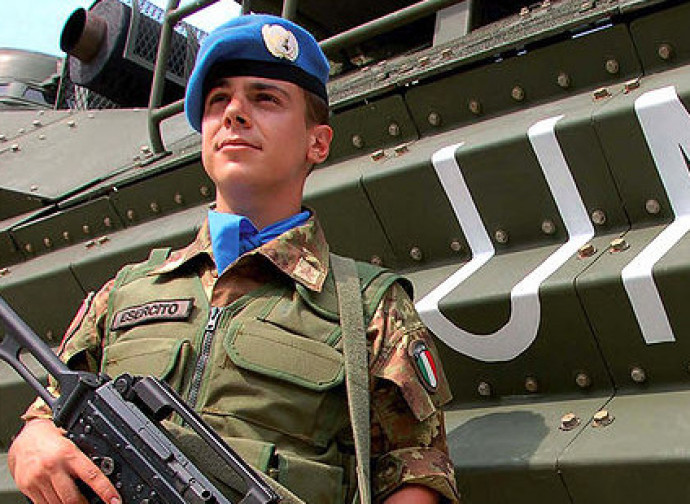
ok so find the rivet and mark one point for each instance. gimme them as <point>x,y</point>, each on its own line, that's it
<point>376,260</point>
<point>652,206</point>
<point>21,131</point>
<point>378,155</point>
<point>618,245</point>
<point>71,123</point>
<point>394,129</point>
<point>205,191</point>
<point>638,375</point>
<point>357,141</point>
<point>601,93</point>
<point>548,227</point>
<point>47,242</point>
<point>15,147</point>
<point>179,199</point>
<point>103,239</point>
<point>665,51</point>
<point>456,245</point>
<point>41,136</point>
<point>33,188</point>
<point>612,66</point>
<point>3,138</point>
<point>546,4</point>
<point>569,421</point>
<point>401,149</point>
<point>4,271</point>
<point>50,335</point>
<point>29,248</point>
<point>91,115</point>
<point>484,389</point>
<point>563,80</point>
<point>434,118</point>
<point>423,61</point>
<point>89,244</point>
<point>475,107</point>
<point>601,418</point>
<point>41,112</point>
<point>587,250</point>
<point>585,6</point>
<point>416,253</point>
<point>107,222</point>
<point>86,229</point>
<point>446,53</point>
<point>66,235</point>
<point>531,384</point>
<point>155,208</point>
<point>145,149</point>
<point>518,93</point>
<point>631,85</point>
<point>131,214</point>
<point>381,76</point>
<point>36,123</point>
<point>524,11</point>
<point>583,380</point>
<point>598,217</point>
<point>501,236</point>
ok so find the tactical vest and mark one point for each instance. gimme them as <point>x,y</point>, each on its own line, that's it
<point>267,373</point>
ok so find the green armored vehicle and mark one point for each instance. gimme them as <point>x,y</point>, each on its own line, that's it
<point>527,166</point>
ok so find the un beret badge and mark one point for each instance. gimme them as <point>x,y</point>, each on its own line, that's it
<point>424,364</point>
<point>280,42</point>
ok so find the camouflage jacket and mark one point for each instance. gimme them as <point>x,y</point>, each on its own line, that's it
<point>408,444</point>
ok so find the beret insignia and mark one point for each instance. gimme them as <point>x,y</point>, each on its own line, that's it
<point>424,364</point>
<point>280,42</point>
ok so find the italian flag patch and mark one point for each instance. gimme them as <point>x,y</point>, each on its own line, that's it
<point>424,364</point>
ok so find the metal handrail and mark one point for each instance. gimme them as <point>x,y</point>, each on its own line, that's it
<point>359,33</point>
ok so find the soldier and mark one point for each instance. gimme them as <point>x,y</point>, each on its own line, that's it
<point>244,322</point>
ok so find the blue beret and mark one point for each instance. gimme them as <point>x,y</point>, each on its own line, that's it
<point>259,45</point>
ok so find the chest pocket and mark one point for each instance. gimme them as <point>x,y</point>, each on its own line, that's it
<point>278,380</point>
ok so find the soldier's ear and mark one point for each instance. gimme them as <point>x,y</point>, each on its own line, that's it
<point>320,136</point>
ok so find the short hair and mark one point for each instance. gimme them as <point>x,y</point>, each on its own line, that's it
<point>316,109</point>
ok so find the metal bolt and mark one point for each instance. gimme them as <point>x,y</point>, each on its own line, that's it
<point>548,227</point>
<point>145,149</point>
<point>501,236</point>
<point>665,51</point>
<point>598,217</point>
<point>531,384</point>
<point>37,123</point>
<point>33,188</point>
<point>4,271</point>
<point>638,375</point>
<point>612,66</point>
<point>21,131</point>
<point>66,235</point>
<point>583,380</point>
<point>179,199</point>
<point>563,80</point>
<point>378,155</point>
<point>71,123</point>
<point>107,222</point>
<point>41,136</point>
<point>455,245</point>
<point>585,6</point>
<point>15,147</point>
<point>3,138</point>
<point>423,61</point>
<point>90,244</point>
<point>155,208</point>
<point>381,76</point>
<point>518,93</point>
<point>484,389</point>
<point>86,229</point>
<point>91,115</point>
<point>102,239</point>
<point>587,250</point>
<point>131,214</point>
<point>524,11</point>
<point>47,242</point>
<point>618,245</point>
<point>631,85</point>
<point>401,149</point>
<point>652,206</point>
<point>447,53</point>
<point>29,248</point>
<point>376,260</point>
<point>416,253</point>
<point>357,141</point>
<point>475,107</point>
<point>601,93</point>
<point>546,4</point>
<point>601,418</point>
<point>41,112</point>
<point>434,118</point>
<point>394,129</point>
<point>569,421</point>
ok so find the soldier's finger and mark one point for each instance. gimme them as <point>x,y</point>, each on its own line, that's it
<point>92,476</point>
<point>66,490</point>
<point>47,496</point>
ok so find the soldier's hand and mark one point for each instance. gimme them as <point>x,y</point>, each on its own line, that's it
<point>45,465</point>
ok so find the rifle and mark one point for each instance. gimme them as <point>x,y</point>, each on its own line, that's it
<point>117,424</point>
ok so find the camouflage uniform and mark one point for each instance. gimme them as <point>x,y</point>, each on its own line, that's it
<point>408,444</point>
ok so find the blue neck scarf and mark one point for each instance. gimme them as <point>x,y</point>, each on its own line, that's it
<point>233,235</point>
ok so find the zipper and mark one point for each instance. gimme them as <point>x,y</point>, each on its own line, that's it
<point>204,353</point>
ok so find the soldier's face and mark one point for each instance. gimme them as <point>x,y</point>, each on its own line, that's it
<point>255,139</point>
